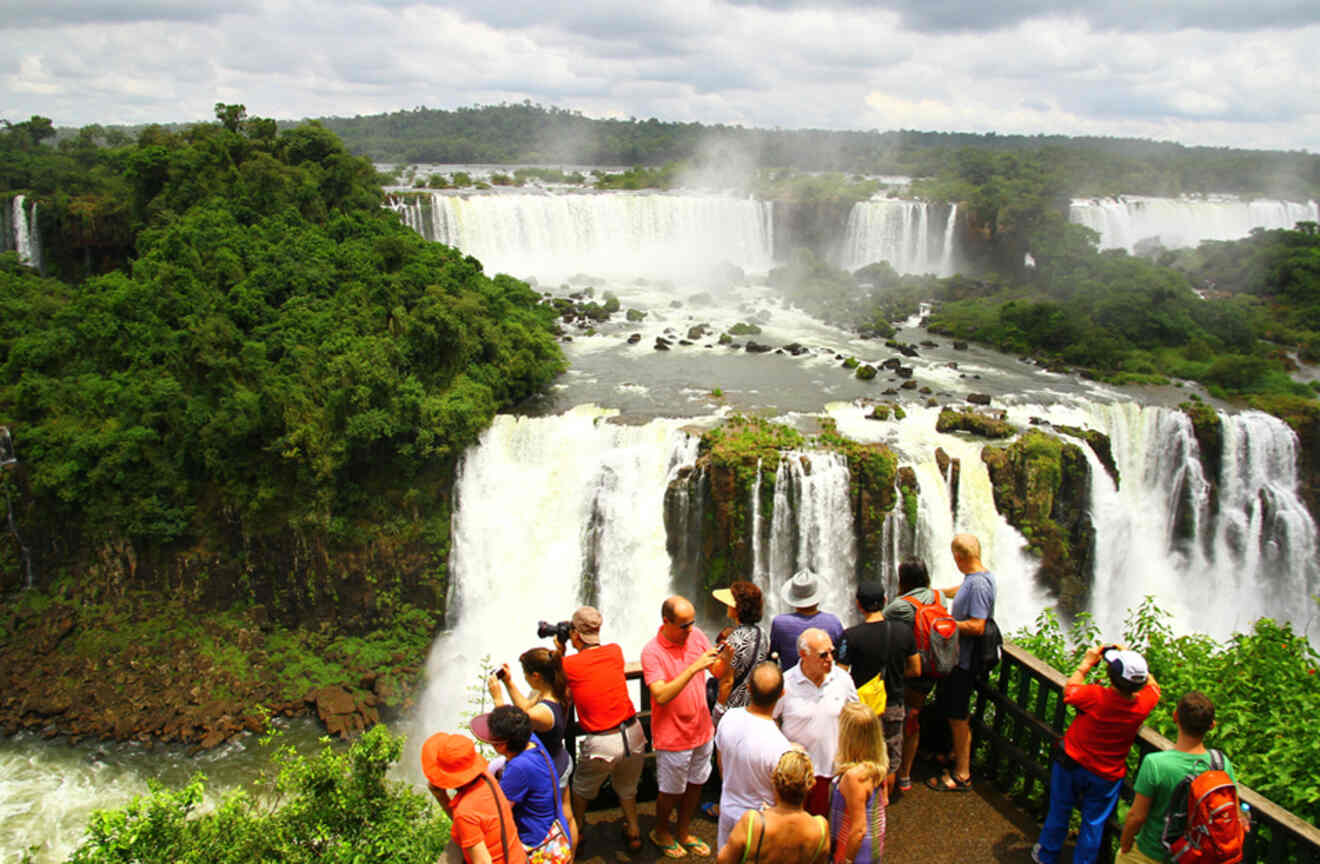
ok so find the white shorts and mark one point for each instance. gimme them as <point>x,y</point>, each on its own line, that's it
<point>675,770</point>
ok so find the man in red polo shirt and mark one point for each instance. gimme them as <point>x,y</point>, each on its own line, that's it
<point>1088,775</point>
<point>615,743</point>
<point>674,666</point>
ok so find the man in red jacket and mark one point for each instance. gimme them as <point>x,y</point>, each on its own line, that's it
<point>1089,773</point>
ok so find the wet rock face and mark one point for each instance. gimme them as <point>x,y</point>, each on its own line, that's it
<point>1042,486</point>
<point>975,423</point>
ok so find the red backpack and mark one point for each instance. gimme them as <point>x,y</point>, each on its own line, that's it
<point>936,634</point>
<point>1203,824</point>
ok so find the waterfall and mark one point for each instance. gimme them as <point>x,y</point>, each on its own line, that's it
<point>1216,552</point>
<point>1126,220</point>
<point>758,551</point>
<point>540,504</point>
<point>26,235</point>
<point>946,258</point>
<point>558,235</point>
<point>897,232</point>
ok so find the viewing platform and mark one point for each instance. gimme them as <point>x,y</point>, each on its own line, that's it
<point>1017,714</point>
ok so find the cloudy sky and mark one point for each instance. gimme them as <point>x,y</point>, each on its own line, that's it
<point>1218,72</point>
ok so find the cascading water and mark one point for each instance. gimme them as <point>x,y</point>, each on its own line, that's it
<point>1216,552</point>
<point>1126,220</point>
<point>548,512</point>
<point>26,238</point>
<point>898,232</point>
<point>608,233</point>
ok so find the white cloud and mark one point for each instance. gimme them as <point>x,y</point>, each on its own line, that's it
<point>1017,67</point>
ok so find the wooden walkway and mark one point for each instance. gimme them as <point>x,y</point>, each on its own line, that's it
<point>924,827</point>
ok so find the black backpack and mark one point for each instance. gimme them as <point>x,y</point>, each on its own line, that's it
<point>989,647</point>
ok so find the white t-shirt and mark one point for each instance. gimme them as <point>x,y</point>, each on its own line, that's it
<point>810,714</point>
<point>750,747</point>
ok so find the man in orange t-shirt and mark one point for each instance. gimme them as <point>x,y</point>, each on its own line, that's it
<point>1089,774</point>
<point>674,666</point>
<point>482,829</point>
<point>615,742</point>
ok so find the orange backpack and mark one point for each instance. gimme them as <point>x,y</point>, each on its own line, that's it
<point>1203,824</point>
<point>936,635</point>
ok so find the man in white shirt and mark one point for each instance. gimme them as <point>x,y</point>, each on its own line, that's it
<point>749,744</point>
<point>815,692</point>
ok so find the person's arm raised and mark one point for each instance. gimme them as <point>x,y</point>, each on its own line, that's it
<point>665,691</point>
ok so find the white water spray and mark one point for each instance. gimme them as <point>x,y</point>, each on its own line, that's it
<point>603,234</point>
<point>550,511</point>
<point>1176,222</point>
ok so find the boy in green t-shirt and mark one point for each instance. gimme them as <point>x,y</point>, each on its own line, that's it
<point>1160,774</point>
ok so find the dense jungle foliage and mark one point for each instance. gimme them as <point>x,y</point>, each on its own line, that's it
<point>330,807</point>
<point>1263,683</point>
<point>525,132</point>
<point>244,346</point>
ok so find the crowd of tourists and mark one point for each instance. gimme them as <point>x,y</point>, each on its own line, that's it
<point>813,728</point>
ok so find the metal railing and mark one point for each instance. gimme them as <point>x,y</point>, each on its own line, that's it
<point>1019,715</point>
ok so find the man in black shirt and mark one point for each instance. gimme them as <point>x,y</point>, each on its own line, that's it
<point>884,648</point>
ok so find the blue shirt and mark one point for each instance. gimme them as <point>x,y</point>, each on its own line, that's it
<point>531,788</point>
<point>786,628</point>
<point>975,599</point>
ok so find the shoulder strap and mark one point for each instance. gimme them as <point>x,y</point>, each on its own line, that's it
<point>916,604</point>
<point>499,813</point>
<point>824,833</point>
<point>747,847</point>
<point>1216,761</point>
<point>554,792</point>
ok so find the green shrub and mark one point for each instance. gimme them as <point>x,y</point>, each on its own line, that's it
<point>334,806</point>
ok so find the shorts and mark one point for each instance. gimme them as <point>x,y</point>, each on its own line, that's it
<point>892,721</point>
<point>675,770</point>
<point>1134,856</point>
<point>566,775</point>
<point>604,755</point>
<point>954,696</point>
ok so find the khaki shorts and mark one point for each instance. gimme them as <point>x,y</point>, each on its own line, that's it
<point>601,756</point>
<point>1134,856</point>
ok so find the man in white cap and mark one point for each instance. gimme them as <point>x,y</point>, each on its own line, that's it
<point>1088,774</point>
<point>802,593</point>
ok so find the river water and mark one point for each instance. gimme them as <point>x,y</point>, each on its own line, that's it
<point>563,501</point>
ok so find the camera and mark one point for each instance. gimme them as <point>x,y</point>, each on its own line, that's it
<point>560,631</point>
<point>502,674</point>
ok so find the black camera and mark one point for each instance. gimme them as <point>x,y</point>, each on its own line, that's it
<point>502,674</point>
<point>560,631</point>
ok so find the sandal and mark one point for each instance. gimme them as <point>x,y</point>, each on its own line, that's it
<point>696,846</point>
<point>904,784</point>
<point>946,782</point>
<point>710,810</point>
<point>673,850</point>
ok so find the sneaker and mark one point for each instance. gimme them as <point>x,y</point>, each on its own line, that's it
<point>1035,854</point>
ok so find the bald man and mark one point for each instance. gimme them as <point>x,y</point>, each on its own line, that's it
<point>973,603</point>
<point>674,666</point>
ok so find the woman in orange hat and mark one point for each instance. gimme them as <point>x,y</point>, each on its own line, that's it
<point>482,830</point>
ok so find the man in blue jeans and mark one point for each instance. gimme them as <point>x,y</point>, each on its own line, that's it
<point>973,605</point>
<point>1088,775</point>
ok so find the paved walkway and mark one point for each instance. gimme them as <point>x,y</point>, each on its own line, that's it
<point>924,827</point>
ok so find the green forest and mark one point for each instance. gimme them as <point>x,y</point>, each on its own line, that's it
<point>529,133</point>
<point>242,370</point>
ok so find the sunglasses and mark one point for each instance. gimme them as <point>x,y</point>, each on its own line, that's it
<point>829,652</point>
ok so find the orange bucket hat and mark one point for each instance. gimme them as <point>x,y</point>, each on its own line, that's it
<point>450,761</point>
